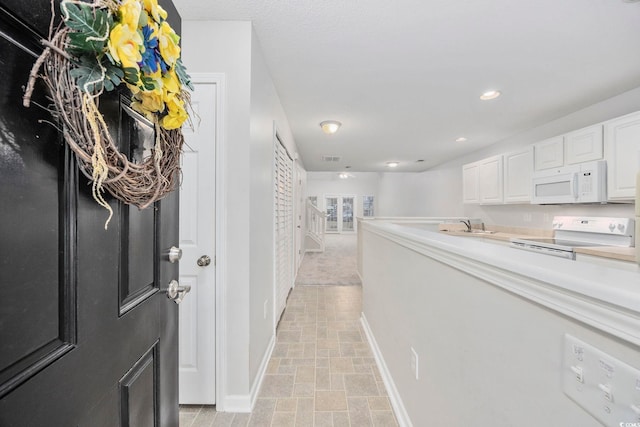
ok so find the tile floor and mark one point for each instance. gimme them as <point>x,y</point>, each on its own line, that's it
<point>321,373</point>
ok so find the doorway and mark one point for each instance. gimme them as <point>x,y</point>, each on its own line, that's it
<point>340,213</point>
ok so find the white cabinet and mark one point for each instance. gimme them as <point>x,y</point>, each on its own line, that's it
<point>482,181</point>
<point>549,153</point>
<point>584,145</point>
<point>470,194</point>
<point>490,180</point>
<point>518,169</point>
<point>621,146</point>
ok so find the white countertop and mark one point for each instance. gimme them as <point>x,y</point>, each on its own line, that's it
<point>591,289</point>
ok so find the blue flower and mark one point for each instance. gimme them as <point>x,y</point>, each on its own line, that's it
<point>151,56</point>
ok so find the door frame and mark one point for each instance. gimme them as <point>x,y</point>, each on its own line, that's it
<point>220,260</point>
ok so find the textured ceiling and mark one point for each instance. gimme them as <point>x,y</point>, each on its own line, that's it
<point>404,77</point>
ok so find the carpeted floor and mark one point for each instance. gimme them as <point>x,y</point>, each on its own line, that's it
<point>337,265</point>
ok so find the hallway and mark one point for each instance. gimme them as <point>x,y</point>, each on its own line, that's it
<point>322,371</point>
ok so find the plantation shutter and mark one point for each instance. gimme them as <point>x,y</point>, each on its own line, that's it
<point>283,165</point>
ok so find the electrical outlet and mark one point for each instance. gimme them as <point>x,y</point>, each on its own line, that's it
<point>414,362</point>
<point>265,309</point>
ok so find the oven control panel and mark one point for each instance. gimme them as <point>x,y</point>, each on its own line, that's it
<point>604,225</point>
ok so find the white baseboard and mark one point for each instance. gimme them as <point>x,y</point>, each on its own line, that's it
<point>244,403</point>
<point>394,396</point>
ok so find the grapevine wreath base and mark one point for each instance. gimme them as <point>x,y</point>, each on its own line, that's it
<point>86,133</point>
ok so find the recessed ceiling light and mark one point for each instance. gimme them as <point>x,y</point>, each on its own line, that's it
<point>461,139</point>
<point>490,94</point>
<point>392,164</point>
<point>330,126</point>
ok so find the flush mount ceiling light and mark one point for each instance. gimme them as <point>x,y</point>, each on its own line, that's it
<point>461,139</point>
<point>392,164</point>
<point>490,94</point>
<point>330,126</point>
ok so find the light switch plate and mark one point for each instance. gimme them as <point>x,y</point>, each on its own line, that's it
<point>610,388</point>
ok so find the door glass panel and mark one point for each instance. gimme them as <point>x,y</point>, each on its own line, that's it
<point>347,214</point>
<point>367,206</point>
<point>332,213</point>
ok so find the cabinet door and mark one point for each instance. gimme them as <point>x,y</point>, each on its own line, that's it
<point>621,145</point>
<point>491,180</point>
<point>584,145</point>
<point>549,153</point>
<point>518,168</point>
<point>470,193</point>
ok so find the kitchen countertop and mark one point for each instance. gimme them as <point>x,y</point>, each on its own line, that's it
<point>507,233</point>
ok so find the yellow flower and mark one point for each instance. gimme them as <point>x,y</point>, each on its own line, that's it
<point>156,11</point>
<point>176,114</point>
<point>148,103</point>
<point>124,46</point>
<point>170,82</point>
<point>130,13</point>
<point>168,41</point>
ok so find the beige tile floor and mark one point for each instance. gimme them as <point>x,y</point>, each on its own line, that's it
<point>321,373</point>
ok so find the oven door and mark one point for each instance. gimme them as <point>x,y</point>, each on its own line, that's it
<point>555,186</point>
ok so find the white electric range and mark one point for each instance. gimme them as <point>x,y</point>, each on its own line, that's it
<point>572,232</point>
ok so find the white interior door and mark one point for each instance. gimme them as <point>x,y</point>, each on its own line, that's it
<point>197,241</point>
<point>300,212</point>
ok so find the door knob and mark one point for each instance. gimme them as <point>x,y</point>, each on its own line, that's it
<point>176,292</point>
<point>204,260</point>
<point>175,254</point>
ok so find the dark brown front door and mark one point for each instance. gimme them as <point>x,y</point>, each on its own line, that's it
<point>87,335</point>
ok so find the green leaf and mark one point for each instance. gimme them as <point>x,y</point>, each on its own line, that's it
<point>131,75</point>
<point>89,75</point>
<point>148,82</point>
<point>90,26</point>
<point>113,75</point>
<point>181,72</point>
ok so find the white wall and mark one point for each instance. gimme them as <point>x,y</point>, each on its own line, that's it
<point>487,357</point>
<point>225,47</point>
<point>250,108</point>
<point>321,184</point>
<point>438,192</point>
<point>265,109</point>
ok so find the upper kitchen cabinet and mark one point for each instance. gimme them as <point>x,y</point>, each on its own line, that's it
<point>621,146</point>
<point>518,169</point>
<point>482,181</point>
<point>490,180</point>
<point>584,145</point>
<point>549,153</point>
<point>470,193</point>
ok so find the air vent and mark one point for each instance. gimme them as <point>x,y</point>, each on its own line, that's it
<point>330,158</point>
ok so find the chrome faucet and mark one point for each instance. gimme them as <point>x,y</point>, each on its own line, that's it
<point>468,224</point>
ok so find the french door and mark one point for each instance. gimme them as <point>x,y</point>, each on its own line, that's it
<point>340,213</point>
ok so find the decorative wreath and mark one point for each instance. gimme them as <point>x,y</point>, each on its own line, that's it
<point>98,47</point>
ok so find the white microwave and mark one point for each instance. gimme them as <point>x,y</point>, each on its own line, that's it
<point>581,183</point>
